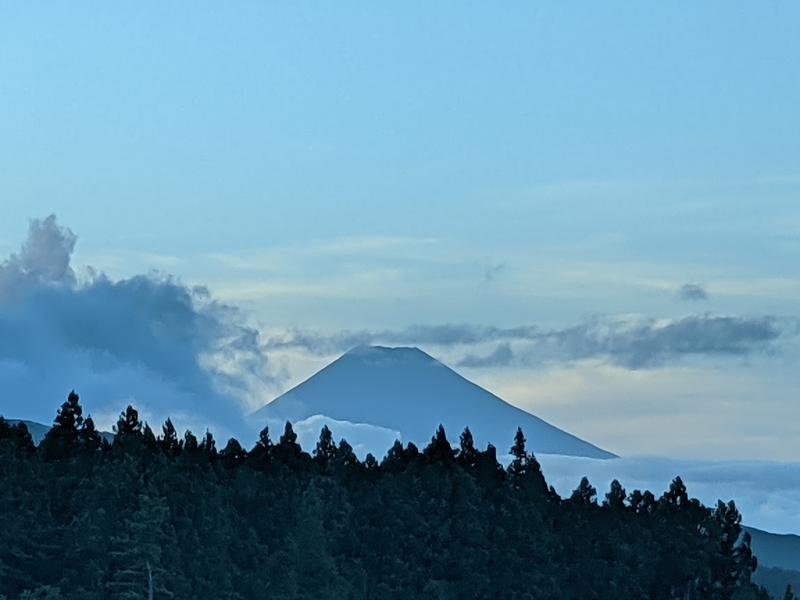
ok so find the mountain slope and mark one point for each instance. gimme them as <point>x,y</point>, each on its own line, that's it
<point>407,390</point>
<point>776,550</point>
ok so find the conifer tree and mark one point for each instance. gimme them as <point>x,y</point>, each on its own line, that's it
<point>584,494</point>
<point>345,456</point>
<point>287,449</point>
<point>88,435</point>
<point>137,550</point>
<point>676,497</point>
<point>439,450</point>
<point>395,457</point>
<point>262,451</point>
<point>468,454</point>
<point>524,470</point>
<point>325,452</point>
<point>370,462</point>
<point>168,442</point>
<point>128,435</point>
<point>64,433</point>
<point>190,444</point>
<point>233,454</point>
<point>615,498</point>
<point>208,446</point>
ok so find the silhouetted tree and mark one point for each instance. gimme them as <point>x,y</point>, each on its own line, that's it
<point>584,494</point>
<point>467,455</point>
<point>615,498</point>
<point>63,435</point>
<point>439,450</point>
<point>325,451</point>
<point>168,442</point>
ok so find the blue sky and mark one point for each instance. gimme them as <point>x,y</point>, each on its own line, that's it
<point>370,168</point>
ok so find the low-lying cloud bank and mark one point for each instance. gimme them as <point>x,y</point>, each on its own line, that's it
<point>149,340</point>
<point>633,342</point>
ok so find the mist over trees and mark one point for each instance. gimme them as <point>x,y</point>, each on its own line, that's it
<point>159,515</point>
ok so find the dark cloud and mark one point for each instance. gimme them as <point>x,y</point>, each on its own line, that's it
<point>692,292</point>
<point>151,340</point>
<point>439,335</point>
<point>502,355</point>
<point>631,343</point>
<point>644,343</point>
<point>492,272</point>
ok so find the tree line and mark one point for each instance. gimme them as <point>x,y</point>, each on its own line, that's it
<point>168,516</point>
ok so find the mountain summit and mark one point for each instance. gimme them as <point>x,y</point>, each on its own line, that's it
<point>407,390</point>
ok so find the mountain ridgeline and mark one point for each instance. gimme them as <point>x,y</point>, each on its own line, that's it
<point>169,516</point>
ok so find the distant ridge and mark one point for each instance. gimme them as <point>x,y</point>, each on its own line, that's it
<point>407,390</point>
<point>38,430</point>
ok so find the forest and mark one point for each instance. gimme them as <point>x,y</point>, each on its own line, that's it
<point>169,516</point>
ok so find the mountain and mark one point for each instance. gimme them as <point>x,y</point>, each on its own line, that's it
<point>37,430</point>
<point>778,560</point>
<point>407,390</point>
<point>776,550</point>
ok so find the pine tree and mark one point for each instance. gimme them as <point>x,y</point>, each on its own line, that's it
<point>676,497</point>
<point>262,451</point>
<point>136,551</point>
<point>439,450</point>
<point>287,449</point>
<point>524,470</point>
<point>468,454</point>
<point>208,447</point>
<point>789,593</point>
<point>64,433</point>
<point>395,457</point>
<point>89,437</point>
<point>615,498</point>
<point>128,434</point>
<point>233,454</point>
<point>168,442</point>
<point>584,494</point>
<point>345,456</point>
<point>325,452</point>
<point>745,563</point>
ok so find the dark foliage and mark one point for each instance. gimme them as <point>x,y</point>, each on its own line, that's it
<point>175,518</point>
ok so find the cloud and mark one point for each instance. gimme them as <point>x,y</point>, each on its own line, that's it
<point>492,272</point>
<point>692,292</point>
<point>645,343</point>
<point>363,437</point>
<point>43,259</point>
<point>439,335</point>
<point>634,343</point>
<point>150,340</point>
<point>502,355</point>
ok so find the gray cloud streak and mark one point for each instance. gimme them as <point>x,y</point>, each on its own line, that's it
<point>440,335</point>
<point>631,343</point>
